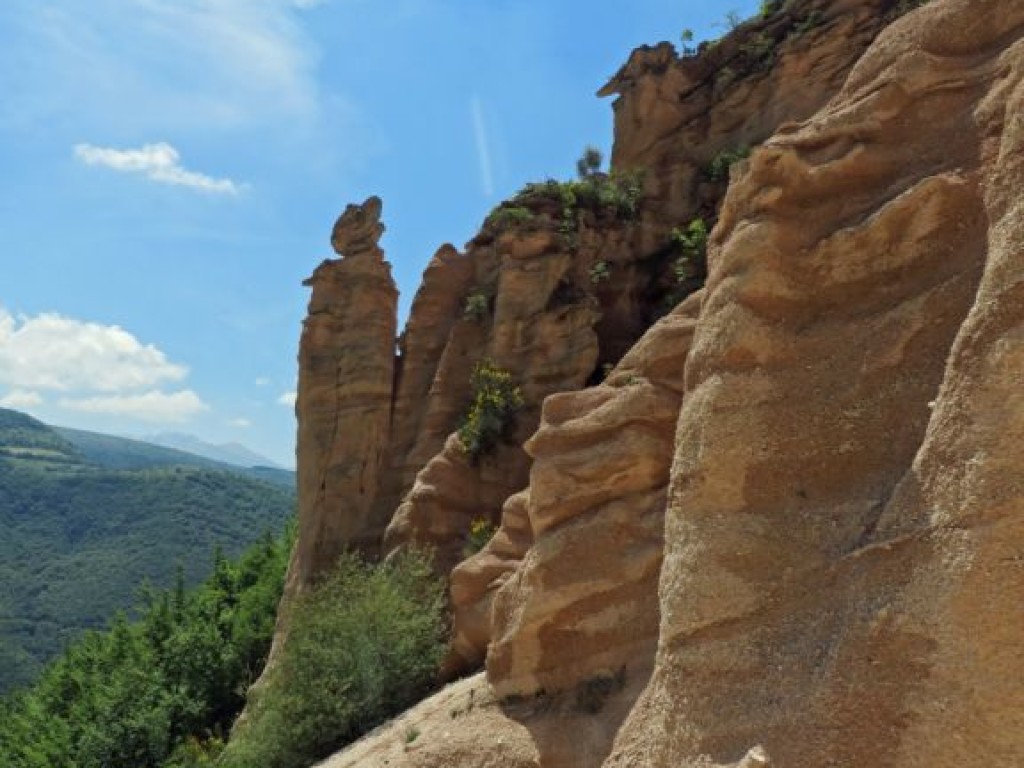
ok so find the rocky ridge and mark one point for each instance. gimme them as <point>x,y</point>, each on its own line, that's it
<point>784,528</point>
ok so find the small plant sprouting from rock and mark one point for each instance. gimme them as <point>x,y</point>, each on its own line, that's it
<point>691,243</point>
<point>807,23</point>
<point>725,77</point>
<point>759,49</point>
<point>601,272</point>
<point>491,416</point>
<point>476,306</point>
<point>688,50</point>
<point>589,162</point>
<point>411,734</point>
<point>770,7</point>
<point>718,170</point>
<point>733,20</point>
<point>481,531</point>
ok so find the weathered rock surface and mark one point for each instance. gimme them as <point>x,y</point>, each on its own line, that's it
<point>831,432</point>
<point>343,406</point>
<point>839,584</point>
<point>582,604</point>
<point>542,333</point>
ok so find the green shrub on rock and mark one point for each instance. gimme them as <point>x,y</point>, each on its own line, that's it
<point>362,646</point>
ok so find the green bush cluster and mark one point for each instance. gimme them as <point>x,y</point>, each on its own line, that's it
<point>614,194</point>
<point>491,416</point>
<point>718,169</point>
<point>507,217</point>
<point>158,692</point>
<point>362,646</point>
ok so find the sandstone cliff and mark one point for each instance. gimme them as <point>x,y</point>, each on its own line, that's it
<point>786,527</point>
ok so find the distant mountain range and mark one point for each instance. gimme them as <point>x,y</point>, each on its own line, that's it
<point>228,453</point>
<point>87,518</point>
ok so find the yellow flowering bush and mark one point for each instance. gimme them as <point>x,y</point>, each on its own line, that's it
<point>491,416</point>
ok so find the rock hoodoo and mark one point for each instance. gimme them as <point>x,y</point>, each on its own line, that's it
<point>343,405</point>
<point>774,517</point>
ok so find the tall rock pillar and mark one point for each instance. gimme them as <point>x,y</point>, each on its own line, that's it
<point>346,378</point>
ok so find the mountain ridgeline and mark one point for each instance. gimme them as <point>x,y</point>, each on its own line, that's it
<point>87,519</point>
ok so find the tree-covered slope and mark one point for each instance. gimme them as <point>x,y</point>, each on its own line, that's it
<point>80,538</point>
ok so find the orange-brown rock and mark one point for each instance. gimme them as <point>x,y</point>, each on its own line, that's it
<point>431,381</point>
<point>343,407</point>
<point>839,582</point>
<point>542,330</point>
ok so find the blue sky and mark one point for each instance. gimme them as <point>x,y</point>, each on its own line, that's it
<point>171,170</point>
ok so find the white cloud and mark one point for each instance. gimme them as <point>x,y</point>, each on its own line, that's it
<point>262,381</point>
<point>52,352</point>
<point>21,398</point>
<point>152,406</point>
<point>159,162</point>
<point>240,423</point>
<point>287,398</point>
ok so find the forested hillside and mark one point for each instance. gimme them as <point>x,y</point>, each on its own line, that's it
<point>82,533</point>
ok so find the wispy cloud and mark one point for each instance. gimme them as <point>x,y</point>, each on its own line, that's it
<point>158,162</point>
<point>171,65</point>
<point>21,398</point>
<point>240,423</point>
<point>51,351</point>
<point>287,398</point>
<point>154,406</point>
<point>483,147</point>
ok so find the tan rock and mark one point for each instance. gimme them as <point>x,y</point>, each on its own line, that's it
<point>837,584</point>
<point>583,602</point>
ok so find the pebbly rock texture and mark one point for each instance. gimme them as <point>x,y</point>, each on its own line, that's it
<point>839,582</point>
<point>346,367</point>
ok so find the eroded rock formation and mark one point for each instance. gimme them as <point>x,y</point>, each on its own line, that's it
<point>786,529</point>
<point>346,367</point>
